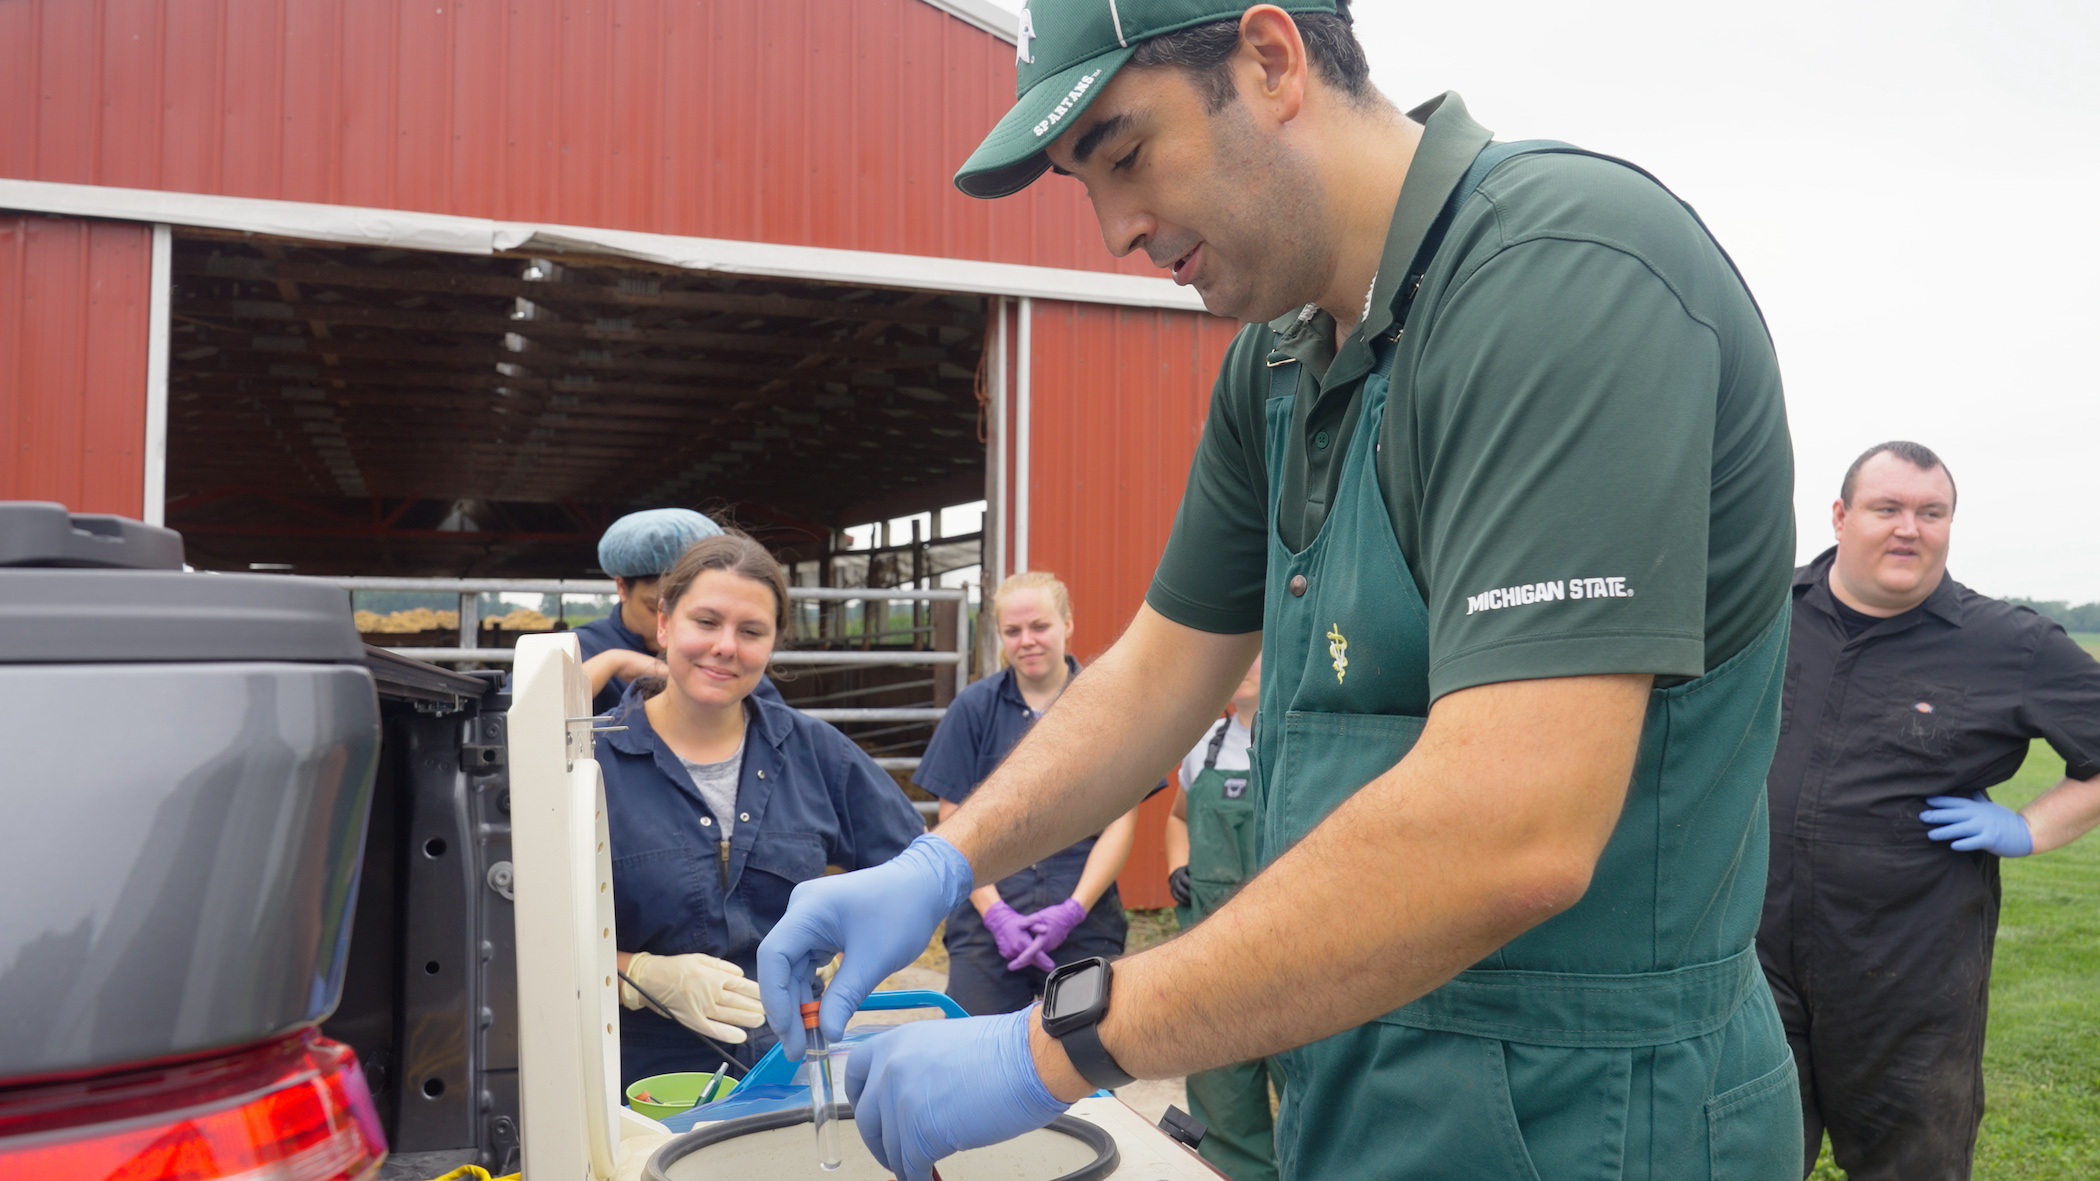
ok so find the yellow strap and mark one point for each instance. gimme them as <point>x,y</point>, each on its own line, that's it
<point>474,1173</point>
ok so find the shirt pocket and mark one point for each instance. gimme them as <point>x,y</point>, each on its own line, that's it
<point>1918,722</point>
<point>777,863</point>
<point>666,902</point>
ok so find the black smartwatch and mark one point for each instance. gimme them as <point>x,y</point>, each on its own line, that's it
<point>1074,1000</point>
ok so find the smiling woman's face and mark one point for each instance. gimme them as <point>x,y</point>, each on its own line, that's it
<point>718,638</point>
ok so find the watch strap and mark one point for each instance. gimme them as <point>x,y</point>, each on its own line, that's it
<point>1092,1059</point>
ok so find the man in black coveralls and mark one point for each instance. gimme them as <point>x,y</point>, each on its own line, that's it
<point>1907,695</point>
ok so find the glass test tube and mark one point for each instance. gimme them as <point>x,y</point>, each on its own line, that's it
<point>822,1112</point>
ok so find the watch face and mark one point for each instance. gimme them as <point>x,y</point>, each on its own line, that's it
<point>1075,994</point>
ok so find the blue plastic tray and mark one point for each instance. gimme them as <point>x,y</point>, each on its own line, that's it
<point>771,1085</point>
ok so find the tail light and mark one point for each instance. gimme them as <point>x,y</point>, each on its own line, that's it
<point>292,1110</point>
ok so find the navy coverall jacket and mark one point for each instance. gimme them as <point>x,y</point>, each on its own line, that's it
<point>807,798</point>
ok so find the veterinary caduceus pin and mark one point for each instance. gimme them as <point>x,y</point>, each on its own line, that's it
<point>1338,647</point>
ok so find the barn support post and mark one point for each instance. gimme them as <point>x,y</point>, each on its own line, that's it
<point>1024,363</point>
<point>160,298</point>
<point>996,495</point>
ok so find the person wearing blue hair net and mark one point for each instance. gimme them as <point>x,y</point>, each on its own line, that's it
<point>636,552</point>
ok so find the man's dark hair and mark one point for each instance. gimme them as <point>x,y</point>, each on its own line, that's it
<point>1203,51</point>
<point>1917,455</point>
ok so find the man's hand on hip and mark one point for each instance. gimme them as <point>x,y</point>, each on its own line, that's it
<point>881,918</point>
<point>1976,823</point>
<point>931,1089</point>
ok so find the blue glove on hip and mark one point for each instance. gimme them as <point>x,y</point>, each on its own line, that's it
<point>881,918</point>
<point>1977,823</point>
<point>934,1088</point>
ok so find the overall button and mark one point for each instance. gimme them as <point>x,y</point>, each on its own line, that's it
<point>1297,586</point>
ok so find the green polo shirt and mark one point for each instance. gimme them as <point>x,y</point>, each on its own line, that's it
<point>1590,471</point>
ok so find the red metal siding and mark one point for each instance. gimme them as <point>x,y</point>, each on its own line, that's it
<point>811,122</point>
<point>73,309</point>
<point>1118,397</point>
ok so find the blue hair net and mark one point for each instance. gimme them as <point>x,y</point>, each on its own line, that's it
<point>647,544</point>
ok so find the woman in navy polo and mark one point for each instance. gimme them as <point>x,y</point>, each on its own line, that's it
<point>720,801</point>
<point>1004,941</point>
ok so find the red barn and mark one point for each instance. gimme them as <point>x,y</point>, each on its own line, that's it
<point>381,287</point>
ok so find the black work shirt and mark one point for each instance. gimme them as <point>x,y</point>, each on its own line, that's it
<point>1941,700</point>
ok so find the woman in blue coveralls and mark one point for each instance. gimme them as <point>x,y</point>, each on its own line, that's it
<point>719,801</point>
<point>1004,941</point>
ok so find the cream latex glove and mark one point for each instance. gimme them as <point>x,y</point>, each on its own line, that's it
<point>707,995</point>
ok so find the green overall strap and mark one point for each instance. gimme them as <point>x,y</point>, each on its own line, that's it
<point>1217,743</point>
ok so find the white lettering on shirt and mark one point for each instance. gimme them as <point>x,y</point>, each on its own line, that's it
<point>1526,594</point>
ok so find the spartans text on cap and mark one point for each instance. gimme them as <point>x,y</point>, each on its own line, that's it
<point>1525,594</point>
<point>1086,82</point>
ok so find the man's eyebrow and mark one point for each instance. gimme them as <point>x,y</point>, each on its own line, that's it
<point>1114,125</point>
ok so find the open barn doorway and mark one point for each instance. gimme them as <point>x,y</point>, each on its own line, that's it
<point>338,410</point>
<point>363,412</point>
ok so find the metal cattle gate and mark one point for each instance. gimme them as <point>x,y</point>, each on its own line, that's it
<point>470,650</point>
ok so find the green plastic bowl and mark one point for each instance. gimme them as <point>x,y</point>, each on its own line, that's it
<point>675,1094</point>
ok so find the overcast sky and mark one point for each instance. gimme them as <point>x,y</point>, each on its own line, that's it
<point>1911,190</point>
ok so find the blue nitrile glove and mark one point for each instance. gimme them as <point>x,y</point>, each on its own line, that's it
<point>881,918</point>
<point>931,1089</point>
<point>1977,823</point>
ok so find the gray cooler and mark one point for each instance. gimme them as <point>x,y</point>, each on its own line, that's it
<point>186,763</point>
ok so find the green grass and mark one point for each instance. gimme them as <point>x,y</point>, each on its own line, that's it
<point>2041,1064</point>
<point>1150,928</point>
<point>2090,641</point>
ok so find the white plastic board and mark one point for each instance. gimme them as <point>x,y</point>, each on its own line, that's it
<point>568,1003</point>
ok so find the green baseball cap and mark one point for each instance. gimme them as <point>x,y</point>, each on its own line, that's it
<point>1066,52</point>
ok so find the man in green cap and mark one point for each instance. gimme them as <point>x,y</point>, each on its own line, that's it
<point>1502,493</point>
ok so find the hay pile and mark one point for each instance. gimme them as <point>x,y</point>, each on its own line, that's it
<point>423,619</point>
<point>416,619</point>
<point>524,619</point>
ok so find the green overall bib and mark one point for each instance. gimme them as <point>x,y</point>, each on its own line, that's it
<point>1222,816</point>
<point>1630,1037</point>
<point>1231,1101</point>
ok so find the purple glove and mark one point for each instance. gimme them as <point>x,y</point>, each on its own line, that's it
<point>1009,931</point>
<point>1033,954</point>
<point>1051,925</point>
